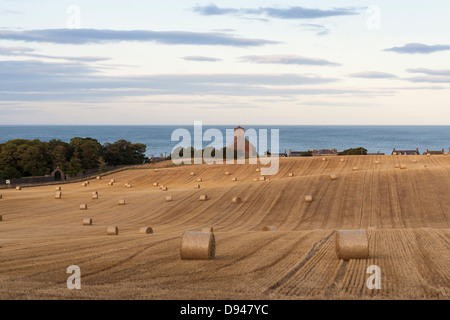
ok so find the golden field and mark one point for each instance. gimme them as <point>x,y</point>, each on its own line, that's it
<point>405,213</point>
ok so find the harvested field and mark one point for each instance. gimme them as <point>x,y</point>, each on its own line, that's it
<point>405,213</point>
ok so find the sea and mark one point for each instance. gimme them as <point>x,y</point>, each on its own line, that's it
<point>158,139</point>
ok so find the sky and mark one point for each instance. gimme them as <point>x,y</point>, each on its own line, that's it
<point>224,62</point>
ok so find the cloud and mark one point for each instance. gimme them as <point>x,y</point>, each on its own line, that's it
<point>419,48</point>
<point>319,29</point>
<point>90,36</point>
<point>201,58</point>
<point>280,13</point>
<point>430,71</point>
<point>373,75</point>
<point>288,59</point>
<point>28,52</point>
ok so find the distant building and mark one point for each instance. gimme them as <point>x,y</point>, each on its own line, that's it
<point>406,152</point>
<point>325,152</point>
<point>435,152</point>
<point>298,153</point>
<point>241,144</point>
<point>376,154</point>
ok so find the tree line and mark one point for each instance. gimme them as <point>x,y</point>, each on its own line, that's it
<point>24,158</point>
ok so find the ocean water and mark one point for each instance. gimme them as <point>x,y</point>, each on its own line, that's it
<point>298,138</point>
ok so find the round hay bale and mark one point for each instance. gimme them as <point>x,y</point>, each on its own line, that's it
<point>94,196</point>
<point>377,162</point>
<point>155,184</point>
<point>403,166</point>
<point>94,192</point>
<point>168,198</point>
<point>428,154</point>
<point>308,198</point>
<point>58,195</point>
<point>342,160</point>
<point>112,181</point>
<point>19,188</point>
<point>258,169</point>
<point>99,178</point>
<point>414,161</point>
<point>128,185</point>
<point>84,184</point>
<point>445,154</point>
<point>262,178</point>
<point>164,188</point>
<point>397,166</point>
<point>227,173</point>
<point>291,174</point>
<point>197,186</point>
<point>121,202</point>
<point>324,159</point>
<point>155,170</point>
<point>192,173</point>
<point>355,169</point>
<point>87,182</point>
<point>208,229</point>
<point>332,177</point>
<point>234,179</point>
<point>197,246</point>
<point>112,231</point>
<point>352,244</point>
<point>87,222</point>
<point>199,180</point>
<point>269,228</point>
<point>203,197</point>
<point>255,179</point>
<point>394,153</point>
<point>236,200</point>
<point>145,230</point>
<point>58,188</point>
<point>83,206</point>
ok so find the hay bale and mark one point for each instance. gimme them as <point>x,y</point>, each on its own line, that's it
<point>227,173</point>
<point>84,184</point>
<point>94,192</point>
<point>197,186</point>
<point>397,166</point>
<point>87,182</point>
<point>203,197</point>
<point>112,231</point>
<point>199,180</point>
<point>197,246</point>
<point>394,153</point>
<point>58,195</point>
<point>332,177</point>
<point>255,179</point>
<point>128,185</point>
<point>155,170</point>
<point>87,222</point>
<point>83,206</point>
<point>262,178</point>
<point>324,159</point>
<point>121,202</point>
<point>403,166</point>
<point>342,160</point>
<point>145,230</point>
<point>208,229</point>
<point>168,198</point>
<point>19,188</point>
<point>110,183</point>
<point>269,228</point>
<point>445,154</point>
<point>58,188</point>
<point>192,173</point>
<point>99,178</point>
<point>234,179</point>
<point>308,198</point>
<point>291,174</point>
<point>428,154</point>
<point>94,196</point>
<point>377,162</point>
<point>164,188</point>
<point>352,244</point>
<point>414,161</point>
<point>258,169</point>
<point>155,184</point>
<point>355,169</point>
<point>236,200</point>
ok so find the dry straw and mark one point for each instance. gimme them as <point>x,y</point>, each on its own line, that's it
<point>352,244</point>
<point>269,228</point>
<point>121,202</point>
<point>203,197</point>
<point>197,245</point>
<point>83,206</point>
<point>58,188</point>
<point>168,198</point>
<point>58,195</point>
<point>145,230</point>
<point>291,174</point>
<point>87,222</point>
<point>308,198</point>
<point>236,200</point>
<point>208,229</point>
<point>332,177</point>
<point>112,231</point>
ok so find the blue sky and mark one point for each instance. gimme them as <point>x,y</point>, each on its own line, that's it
<point>224,62</point>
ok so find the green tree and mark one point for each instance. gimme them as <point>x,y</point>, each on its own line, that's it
<point>101,164</point>
<point>354,151</point>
